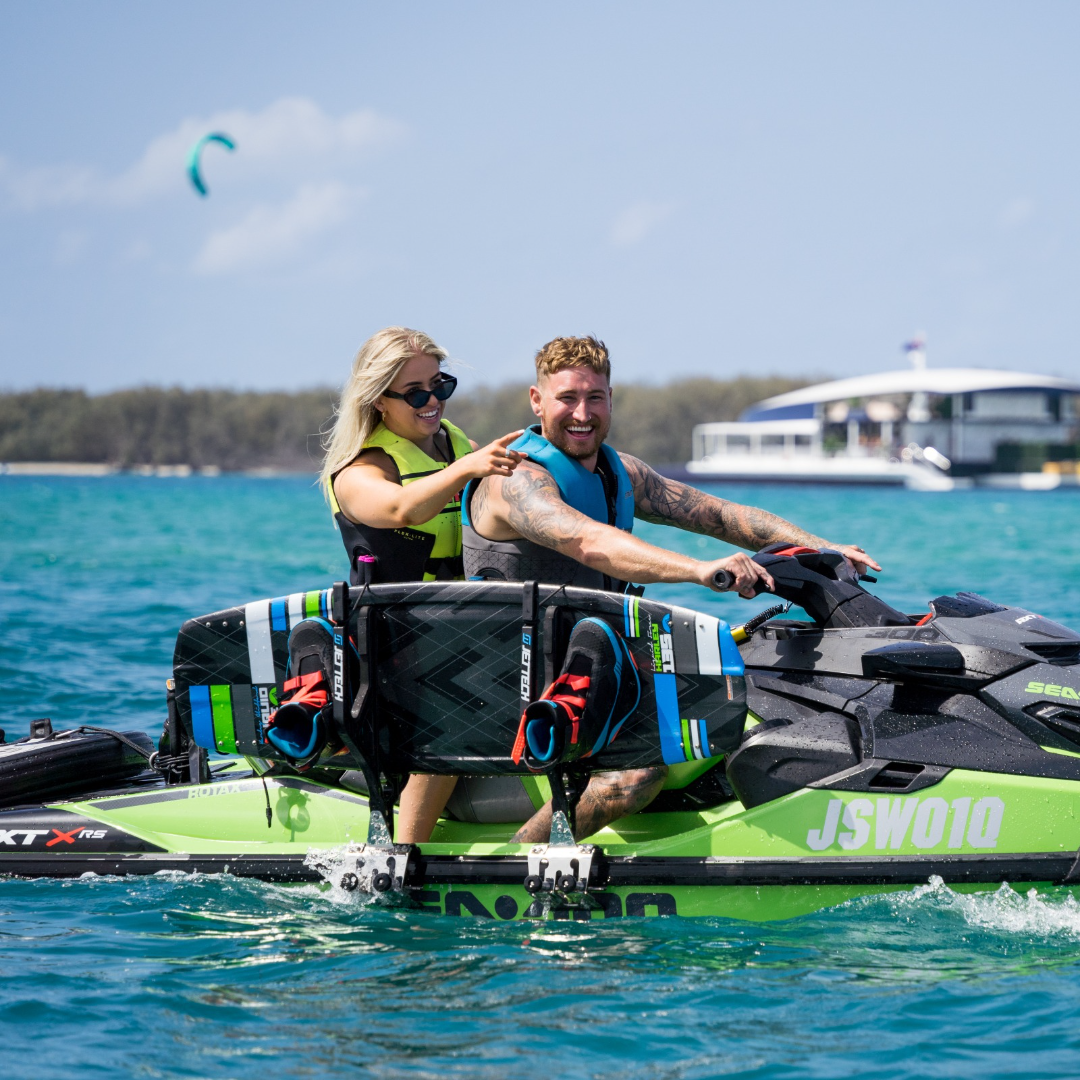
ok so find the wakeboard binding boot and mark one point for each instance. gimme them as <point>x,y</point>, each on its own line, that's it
<point>582,711</point>
<point>300,726</point>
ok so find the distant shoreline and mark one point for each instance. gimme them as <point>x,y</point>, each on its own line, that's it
<point>84,469</point>
<point>192,432</point>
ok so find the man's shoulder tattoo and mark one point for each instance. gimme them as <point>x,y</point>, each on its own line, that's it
<point>536,509</point>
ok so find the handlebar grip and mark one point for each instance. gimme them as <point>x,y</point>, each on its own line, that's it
<point>723,580</point>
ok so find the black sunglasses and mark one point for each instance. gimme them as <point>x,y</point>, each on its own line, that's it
<point>417,399</point>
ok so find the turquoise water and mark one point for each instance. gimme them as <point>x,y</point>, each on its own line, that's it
<point>219,977</point>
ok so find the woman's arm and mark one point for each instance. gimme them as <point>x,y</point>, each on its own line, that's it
<point>369,491</point>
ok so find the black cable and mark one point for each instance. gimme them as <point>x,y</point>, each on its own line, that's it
<point>269,812</point>
<point>140,750</point>
<point>762,617</point>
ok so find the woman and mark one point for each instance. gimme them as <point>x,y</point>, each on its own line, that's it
<point>393,475</point>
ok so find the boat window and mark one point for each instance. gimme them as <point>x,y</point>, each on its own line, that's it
<point>1014,405</point>
<point>772,444</point>
<point>802,442</point>
<point>738,444</point>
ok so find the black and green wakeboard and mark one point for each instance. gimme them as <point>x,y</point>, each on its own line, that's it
<point>448,666</point>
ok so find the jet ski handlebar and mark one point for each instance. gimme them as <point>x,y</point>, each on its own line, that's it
<point>823,583</point>
<point>723,580</point>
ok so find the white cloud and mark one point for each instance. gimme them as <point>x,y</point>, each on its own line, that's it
<point>1016,213</point>
<point>270,233</point>
<point>47,185</point>
<point>291,138</point>
<point>635,222</point>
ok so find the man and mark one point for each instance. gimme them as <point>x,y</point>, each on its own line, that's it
<point>564,516</point>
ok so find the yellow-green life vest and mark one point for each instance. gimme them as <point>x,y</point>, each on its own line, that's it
<point>428,552</point>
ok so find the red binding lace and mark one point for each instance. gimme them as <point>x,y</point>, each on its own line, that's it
<point>310,689</point>
<point>568,692</point>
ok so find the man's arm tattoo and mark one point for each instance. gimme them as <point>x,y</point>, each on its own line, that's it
<point>668,502</point>
<point>536,511</point>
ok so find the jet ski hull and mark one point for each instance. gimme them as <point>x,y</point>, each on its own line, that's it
<point>758,864</point>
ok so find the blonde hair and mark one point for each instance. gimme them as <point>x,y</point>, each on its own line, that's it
<point>573,352</point>
<point>375,367</point>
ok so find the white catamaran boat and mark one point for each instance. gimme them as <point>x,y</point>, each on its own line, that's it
<point>926,429</point>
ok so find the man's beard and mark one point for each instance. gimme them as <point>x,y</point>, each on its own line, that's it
<point>572,448</point>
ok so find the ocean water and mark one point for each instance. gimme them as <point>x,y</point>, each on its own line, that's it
<point>221,977</point>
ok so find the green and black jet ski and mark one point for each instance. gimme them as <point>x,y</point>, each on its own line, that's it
<point>859,751</point>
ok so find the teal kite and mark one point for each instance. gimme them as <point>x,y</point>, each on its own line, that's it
<point>196,154</point>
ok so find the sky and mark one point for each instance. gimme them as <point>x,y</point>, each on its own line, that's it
<point>715,188</point>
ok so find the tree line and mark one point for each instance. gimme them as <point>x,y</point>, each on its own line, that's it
<point>234,430</point>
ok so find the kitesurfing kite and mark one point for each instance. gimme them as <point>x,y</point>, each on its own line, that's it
<point>196,153</point>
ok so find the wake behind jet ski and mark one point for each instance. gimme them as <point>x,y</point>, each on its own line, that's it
<point>858,750</point>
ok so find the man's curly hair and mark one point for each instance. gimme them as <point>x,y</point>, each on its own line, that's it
<point>573,352</point>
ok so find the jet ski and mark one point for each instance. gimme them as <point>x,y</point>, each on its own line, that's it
<point>810,761</point>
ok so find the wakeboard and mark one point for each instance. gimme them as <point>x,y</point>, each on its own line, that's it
<point>448,667</point>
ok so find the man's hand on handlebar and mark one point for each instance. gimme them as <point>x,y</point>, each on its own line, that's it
<point>856,555</point>
<point>749,578</point>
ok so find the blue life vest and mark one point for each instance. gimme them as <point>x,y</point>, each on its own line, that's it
<point>581,489</point>
<point>522,560</point>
